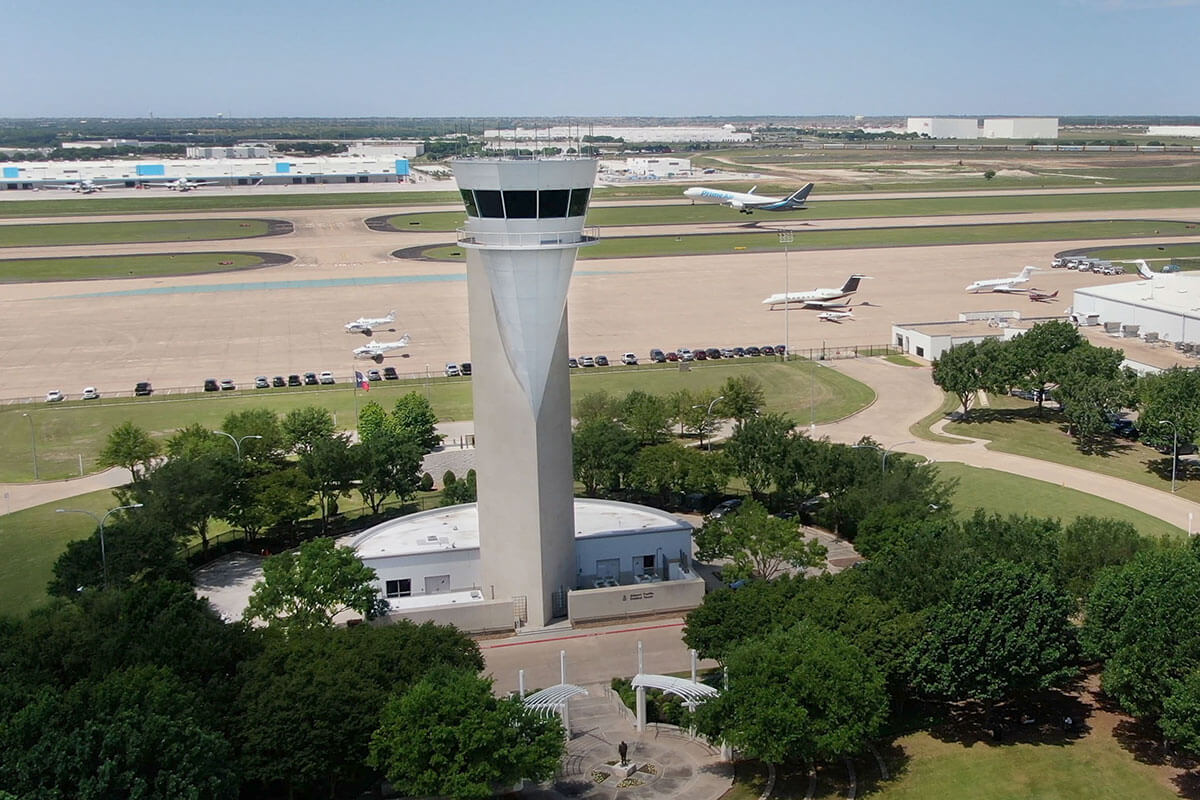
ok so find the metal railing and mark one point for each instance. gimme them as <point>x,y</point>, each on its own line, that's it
<point>527,239</point>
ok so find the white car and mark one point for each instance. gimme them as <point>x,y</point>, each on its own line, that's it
<point>452,371</point>
<point>55,396</point>
<point>685,354</point>
<point>630,359</point>
<point>587,361</point>
<point>90,393</point>
<point>326,377</point>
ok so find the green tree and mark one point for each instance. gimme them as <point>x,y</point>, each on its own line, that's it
<point>1088,545</point>
<point>331,467</point>
<point>1092,387</point>
<point>968,368</point>
<point>413,417</point>
<point>665,469</point>
<point>182,495</point>
<point>304,427</point>
<point>388,464</point>
<point>1004,632</point>
<point>596,406</point>
<point>309,701</point>
<point>450,736</point>
<point>136,549</point>
<point>696,418</point>
<point>989,174</point>
<point>459,491</point>
<point>743,397</point>
<point>1172,395</point>
<point>372,419</point>
<point>758,450</point>
<point>799,694</point>
<point>309,586</point>
<point>756,544</point>
<point>1181,712</point>
<point>603,454</point>
<point>195,441</point>
<point>1034,354</point>
<point>134,733</point>
<point>647,416</point>
<point>257,422</point>
<point>728,618</point>
<point>131,447</point>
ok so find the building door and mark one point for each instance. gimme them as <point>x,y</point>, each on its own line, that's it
<point>437,583</point>
<point>608,568</point>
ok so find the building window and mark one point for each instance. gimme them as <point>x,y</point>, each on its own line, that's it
<point>520,204</point>
<point>490,204</point>
<point>469,202</point>
<point>920,351</point>
<point>579,201</point>
<point>647,564</point>
<point>553,203</point>
<point>401,587</point>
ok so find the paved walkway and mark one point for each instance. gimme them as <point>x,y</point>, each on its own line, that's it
<point>673,765</point>
<point>19,496</point>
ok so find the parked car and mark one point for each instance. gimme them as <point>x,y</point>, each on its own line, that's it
<point>726,352</point>
<point>54,396</point>
<point>326,378</point>
<point>657,356</point>
<point>211,385</point>
<point>464,368</point>
<point>713,352</point>
<point>572,363</point>
<point>739,352</point>
<point>629,360</point>
<point>310,379</point>
<point>278,381</point>
<point>228,385</point>
<point>587,361</point>
<point>373,375</point>
<point>725,507</point>
<point>753,351</point>
<point>90,393</point>
<point>261,382</point>
<point>672,356</point>
<point>294,380</point>
<point>1125,428</point>
<point>699,355</point>
<point>452,371</point>
<point>143,389</point>
<point>601,361</point>
<point>780,350</point>
<point>767,350</point>
<point>685,354</point>
<point>389,374</point>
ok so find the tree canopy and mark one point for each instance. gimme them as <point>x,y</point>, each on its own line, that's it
<point>309,586</point>
<point>756,544</point>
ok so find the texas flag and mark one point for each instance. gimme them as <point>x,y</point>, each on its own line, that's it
<point>362,381</point>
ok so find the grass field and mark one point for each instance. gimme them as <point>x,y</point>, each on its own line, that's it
<point>124,266</point>
<point>846,209</point>
<point>1024,432</point>
<point>68,431</point>
<point>1006,493</point>
<point>768,241</point>
<point>181,230</point>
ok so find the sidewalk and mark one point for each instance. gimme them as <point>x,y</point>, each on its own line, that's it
<point>19,496</point>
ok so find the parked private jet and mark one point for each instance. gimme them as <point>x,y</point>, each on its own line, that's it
<point>374,350</point>
<point>1003,284</point>
<point>365,324</point>
<point>1042,297</point>
<point>748,202</point>
<point>818,298</point>
<point>85,186</point>
<point>835,316</point>
<point>180,185</point>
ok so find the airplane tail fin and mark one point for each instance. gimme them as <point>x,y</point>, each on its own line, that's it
<point>404,339</point>
<point>752,189</point>
<point>1027,272</point>
<point>1144,269</point>
<point>851,284</point>
<point>391,316</point>
<point>797,198</point>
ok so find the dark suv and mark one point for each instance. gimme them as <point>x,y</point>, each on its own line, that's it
<point>211,385</point>
<point>294,380</point>
<point>143,389</point>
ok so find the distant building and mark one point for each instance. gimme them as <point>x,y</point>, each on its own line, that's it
<point>257,150</point>
<point>658,167</point>
<point>1021,128</point>
<point>387,147</point>
<point>944,127</point>
<point>98,144</point>
<point>1173,130</point>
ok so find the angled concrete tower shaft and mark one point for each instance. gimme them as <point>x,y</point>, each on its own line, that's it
<point>524,227</point>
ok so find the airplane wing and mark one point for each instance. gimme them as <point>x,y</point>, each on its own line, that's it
<point>1010,289</point>
<point>828,304</point>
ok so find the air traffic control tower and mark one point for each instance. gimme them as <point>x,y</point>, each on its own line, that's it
<point>524,226</point>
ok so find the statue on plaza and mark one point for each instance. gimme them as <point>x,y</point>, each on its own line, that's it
<point>623,751</point>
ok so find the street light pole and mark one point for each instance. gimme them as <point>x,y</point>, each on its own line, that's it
<point>33,442</point>
<point>237,443</point>
<point>883,451</point>
<point>1174,449</point>
<point>786,238</point>
<point>100,522</point>
<point>707,414</point>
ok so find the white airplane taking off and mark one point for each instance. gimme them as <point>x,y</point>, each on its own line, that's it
<point>748,202</point>
<point>835,316</point>
<point>1003,284</point>
<point>375,350</point>
<point>365,324</point>
<point>180,185</point>
<point>818,298</point>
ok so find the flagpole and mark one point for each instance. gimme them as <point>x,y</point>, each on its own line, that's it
<point>354,377</point>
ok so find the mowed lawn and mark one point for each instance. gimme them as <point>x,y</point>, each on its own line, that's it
<point>163,230</point>
<point>123,266</point>
<point>66,432</point>
<point>845,209</point>
<point>910,236</point>
<point>1006,493</point>
<point>1024,432</point>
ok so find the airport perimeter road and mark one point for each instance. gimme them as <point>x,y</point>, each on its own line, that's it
<point>594,655</point>
<point>906,394</point>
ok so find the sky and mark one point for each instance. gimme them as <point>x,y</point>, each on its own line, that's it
<point>403,58</point>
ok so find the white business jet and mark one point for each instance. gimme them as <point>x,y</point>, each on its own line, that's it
<point>365,324</point>
<point>1003,284</point>
<point>818,298</point>
<point>748,202</point>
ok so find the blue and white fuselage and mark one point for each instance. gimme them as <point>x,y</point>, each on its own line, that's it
<point>747,202</point>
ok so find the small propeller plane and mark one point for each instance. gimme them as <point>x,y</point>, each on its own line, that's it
<point>1042,297</point>
<point>374,350</point>
<point>835,316</point>
<point>365,324</point>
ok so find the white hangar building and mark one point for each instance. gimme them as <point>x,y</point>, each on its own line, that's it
<point>1167,305</point>
<point>944,127</point>
<point>1021,128</point>
<point>631,560</point>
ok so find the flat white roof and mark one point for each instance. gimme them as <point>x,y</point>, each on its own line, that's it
<point>457,527</point>
<point>1175,292</point>
<point>436,599</point>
